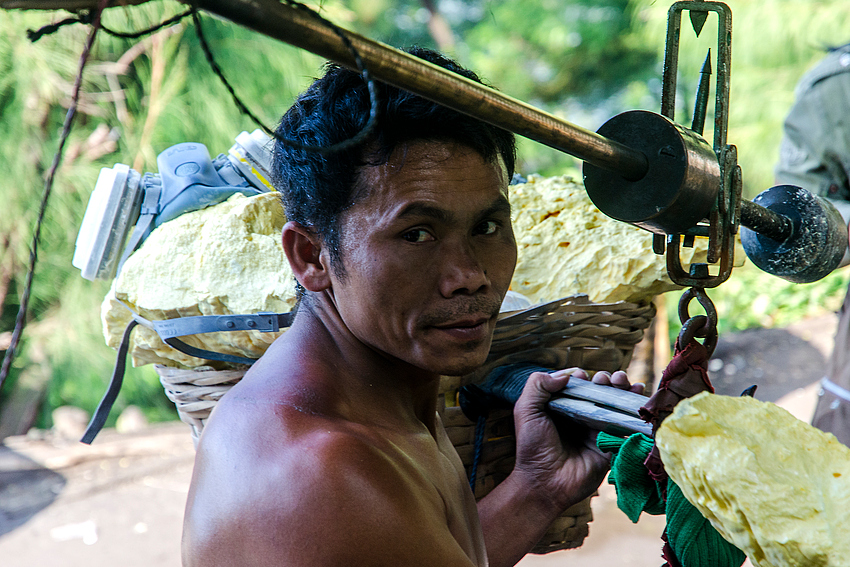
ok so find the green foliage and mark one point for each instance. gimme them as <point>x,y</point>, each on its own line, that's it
<point>558,50</point>
<point>752,298</point>
<point>140,97</point>
<point>584,60</point>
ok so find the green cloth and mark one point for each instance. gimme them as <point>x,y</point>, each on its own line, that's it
<point>691,537</point>
<point>636,491</point>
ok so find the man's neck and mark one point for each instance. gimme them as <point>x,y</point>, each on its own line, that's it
<point>368,385</point>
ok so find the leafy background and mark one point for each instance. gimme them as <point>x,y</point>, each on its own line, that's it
<point>584,60</point>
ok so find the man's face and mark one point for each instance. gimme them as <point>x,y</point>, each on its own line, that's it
<point>428,255</point>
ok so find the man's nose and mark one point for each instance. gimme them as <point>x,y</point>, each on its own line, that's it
<point>463,272</point>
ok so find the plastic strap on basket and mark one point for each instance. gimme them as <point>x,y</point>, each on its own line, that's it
<point>168,331</point>
<point>103,408</point>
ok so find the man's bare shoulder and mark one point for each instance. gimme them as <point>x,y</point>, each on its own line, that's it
<point>274,434</point>
<point>288,428</point>
<point>278,478</point>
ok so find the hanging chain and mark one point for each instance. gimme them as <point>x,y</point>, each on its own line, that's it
<point>697,326</point>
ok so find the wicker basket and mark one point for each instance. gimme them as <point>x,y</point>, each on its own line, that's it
<point>564,333</point>
<point>196,391</point>
<point>561,334</point>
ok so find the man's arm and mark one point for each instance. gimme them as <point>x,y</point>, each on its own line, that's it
<point>548,477</point>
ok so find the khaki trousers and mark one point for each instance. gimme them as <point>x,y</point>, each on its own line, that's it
<point>832,412</point>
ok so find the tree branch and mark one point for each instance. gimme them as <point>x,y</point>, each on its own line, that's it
<point>70,5</point>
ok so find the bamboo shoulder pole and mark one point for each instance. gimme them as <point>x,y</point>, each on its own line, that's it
<point>299,28</point>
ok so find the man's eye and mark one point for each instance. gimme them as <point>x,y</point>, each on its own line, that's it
<point>417,235</point>
<point>488,227</point>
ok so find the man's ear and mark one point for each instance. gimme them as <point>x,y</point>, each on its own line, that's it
<point>304,250</point>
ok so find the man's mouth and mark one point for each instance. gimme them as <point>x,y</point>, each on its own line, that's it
<point>467,329</point>
<point>467,321</point>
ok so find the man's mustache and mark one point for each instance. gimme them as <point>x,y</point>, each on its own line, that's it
<point>460,308</point>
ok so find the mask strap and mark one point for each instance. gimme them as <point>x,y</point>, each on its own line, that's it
<point>99,418</point>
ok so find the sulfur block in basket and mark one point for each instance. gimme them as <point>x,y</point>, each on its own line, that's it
<point>228,259</point>
<point>566,246</point>
<point>220,260</point>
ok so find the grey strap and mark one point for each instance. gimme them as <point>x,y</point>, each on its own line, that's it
<point>149,209</point>
<point>103,408</point>
<point>185,348</point>
<point>834,389</point>
<point>168,331</point>
<point>266,322</point>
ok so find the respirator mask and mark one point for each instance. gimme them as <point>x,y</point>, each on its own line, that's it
<point>188,180</point>
<point>126,206</point>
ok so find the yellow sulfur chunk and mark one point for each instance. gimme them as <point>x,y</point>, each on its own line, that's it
<point>566,246</point>
<point>772,485</point>
<point>225,259</point>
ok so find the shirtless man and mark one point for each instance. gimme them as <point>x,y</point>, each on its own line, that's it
<point>330,451</point>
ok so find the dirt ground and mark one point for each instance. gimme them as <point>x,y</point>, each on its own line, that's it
<point>120,501</point>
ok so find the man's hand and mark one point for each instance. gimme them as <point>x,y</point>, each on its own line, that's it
<point>566,470</point>
<point>618,379</point>
<point>551,473</point>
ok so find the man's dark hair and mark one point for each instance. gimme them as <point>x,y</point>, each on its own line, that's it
<point>316,188</point>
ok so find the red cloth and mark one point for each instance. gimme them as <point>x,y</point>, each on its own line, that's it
<point>685,376</point>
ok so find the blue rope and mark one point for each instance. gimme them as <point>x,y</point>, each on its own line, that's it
<point>479,445</point>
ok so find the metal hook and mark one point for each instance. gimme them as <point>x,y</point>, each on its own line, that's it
<point>704,300</point>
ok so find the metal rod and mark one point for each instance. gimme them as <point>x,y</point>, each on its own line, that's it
<point>297,27</point>
<point>766,222</point>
